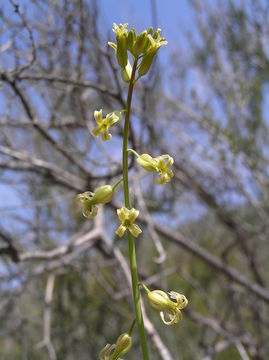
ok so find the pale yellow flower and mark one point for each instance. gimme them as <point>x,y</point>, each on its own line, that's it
<point>160,164</point>
<point>88,200</point>
<point>103,124</point>
<point>127,218</point>
<point>168,303</point>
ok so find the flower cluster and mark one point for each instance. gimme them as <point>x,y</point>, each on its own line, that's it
<point>144,45</point>
<point>114,351</point>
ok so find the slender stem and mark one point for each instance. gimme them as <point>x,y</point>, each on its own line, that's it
<point>131,243</point>
<point>131,328</point>
<point>133,152</point>
<point>117,183</point>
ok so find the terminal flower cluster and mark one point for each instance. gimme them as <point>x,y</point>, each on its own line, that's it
<point>144,45</point>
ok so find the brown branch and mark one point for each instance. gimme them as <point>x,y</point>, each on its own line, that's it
<point>38,126</point>
<point>213,261</point>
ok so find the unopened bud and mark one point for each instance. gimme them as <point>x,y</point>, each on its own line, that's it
<point>103,194</point>
<point>122,50</point>
<point>131,40</point>
<point>146,63</point>
<point>126,72</point>
<point>123,345</point>
<point>140,43</point>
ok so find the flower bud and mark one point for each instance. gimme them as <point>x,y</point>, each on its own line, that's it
<point>147,162</point>
<point>131,40</point>
<point>140,43</point>
<point>158,299</point>
<point>113,352</point>
<point>123,345</point>
<point>122,51</point>
<point>155,41</point>
<point>103,194</point>
<point>126,73</point>
<point>121,37</point>
<point>150,30</point>
<point>146,63</point>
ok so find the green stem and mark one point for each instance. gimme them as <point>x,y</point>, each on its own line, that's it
<point>133,152</point>
<point>131,328</point>
<point>117,183</point>
<point>145,287</point>
<point>131,243</point>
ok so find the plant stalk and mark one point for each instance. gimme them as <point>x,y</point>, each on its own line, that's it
<point>131,243</point>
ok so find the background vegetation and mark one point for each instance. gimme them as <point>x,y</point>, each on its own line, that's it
<point>64,292</point>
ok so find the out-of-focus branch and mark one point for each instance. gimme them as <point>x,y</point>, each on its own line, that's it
<point>213,261</point>
<point>31,163</point>
<point>12,82</point>
<point>241,235</point>
<point>47,319</point>
<point>31,61</point>
<point>77,83</point>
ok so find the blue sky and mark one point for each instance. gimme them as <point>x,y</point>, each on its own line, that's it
<point>173,16</point>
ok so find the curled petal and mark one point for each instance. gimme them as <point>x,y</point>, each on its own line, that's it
<point>167,157</point>
<point>120,230</point>
<point>105,352</point>
<point>96,131</point>
<point>135,230</point>
<point>178,316</point>
<point>108,352</point>
<point>106,136</point>
<point>122,213</point>
<point>165,177</point>
<point>180,299</point>
<point>98,116</point>
<point>90,212</point>
<point>111,119</point>
<point>132,215</point>
<point>174,317</point>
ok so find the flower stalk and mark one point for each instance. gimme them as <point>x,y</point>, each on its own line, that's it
<point>131,244</point>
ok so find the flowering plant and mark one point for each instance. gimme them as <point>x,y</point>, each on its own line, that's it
<point>138,50</point>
